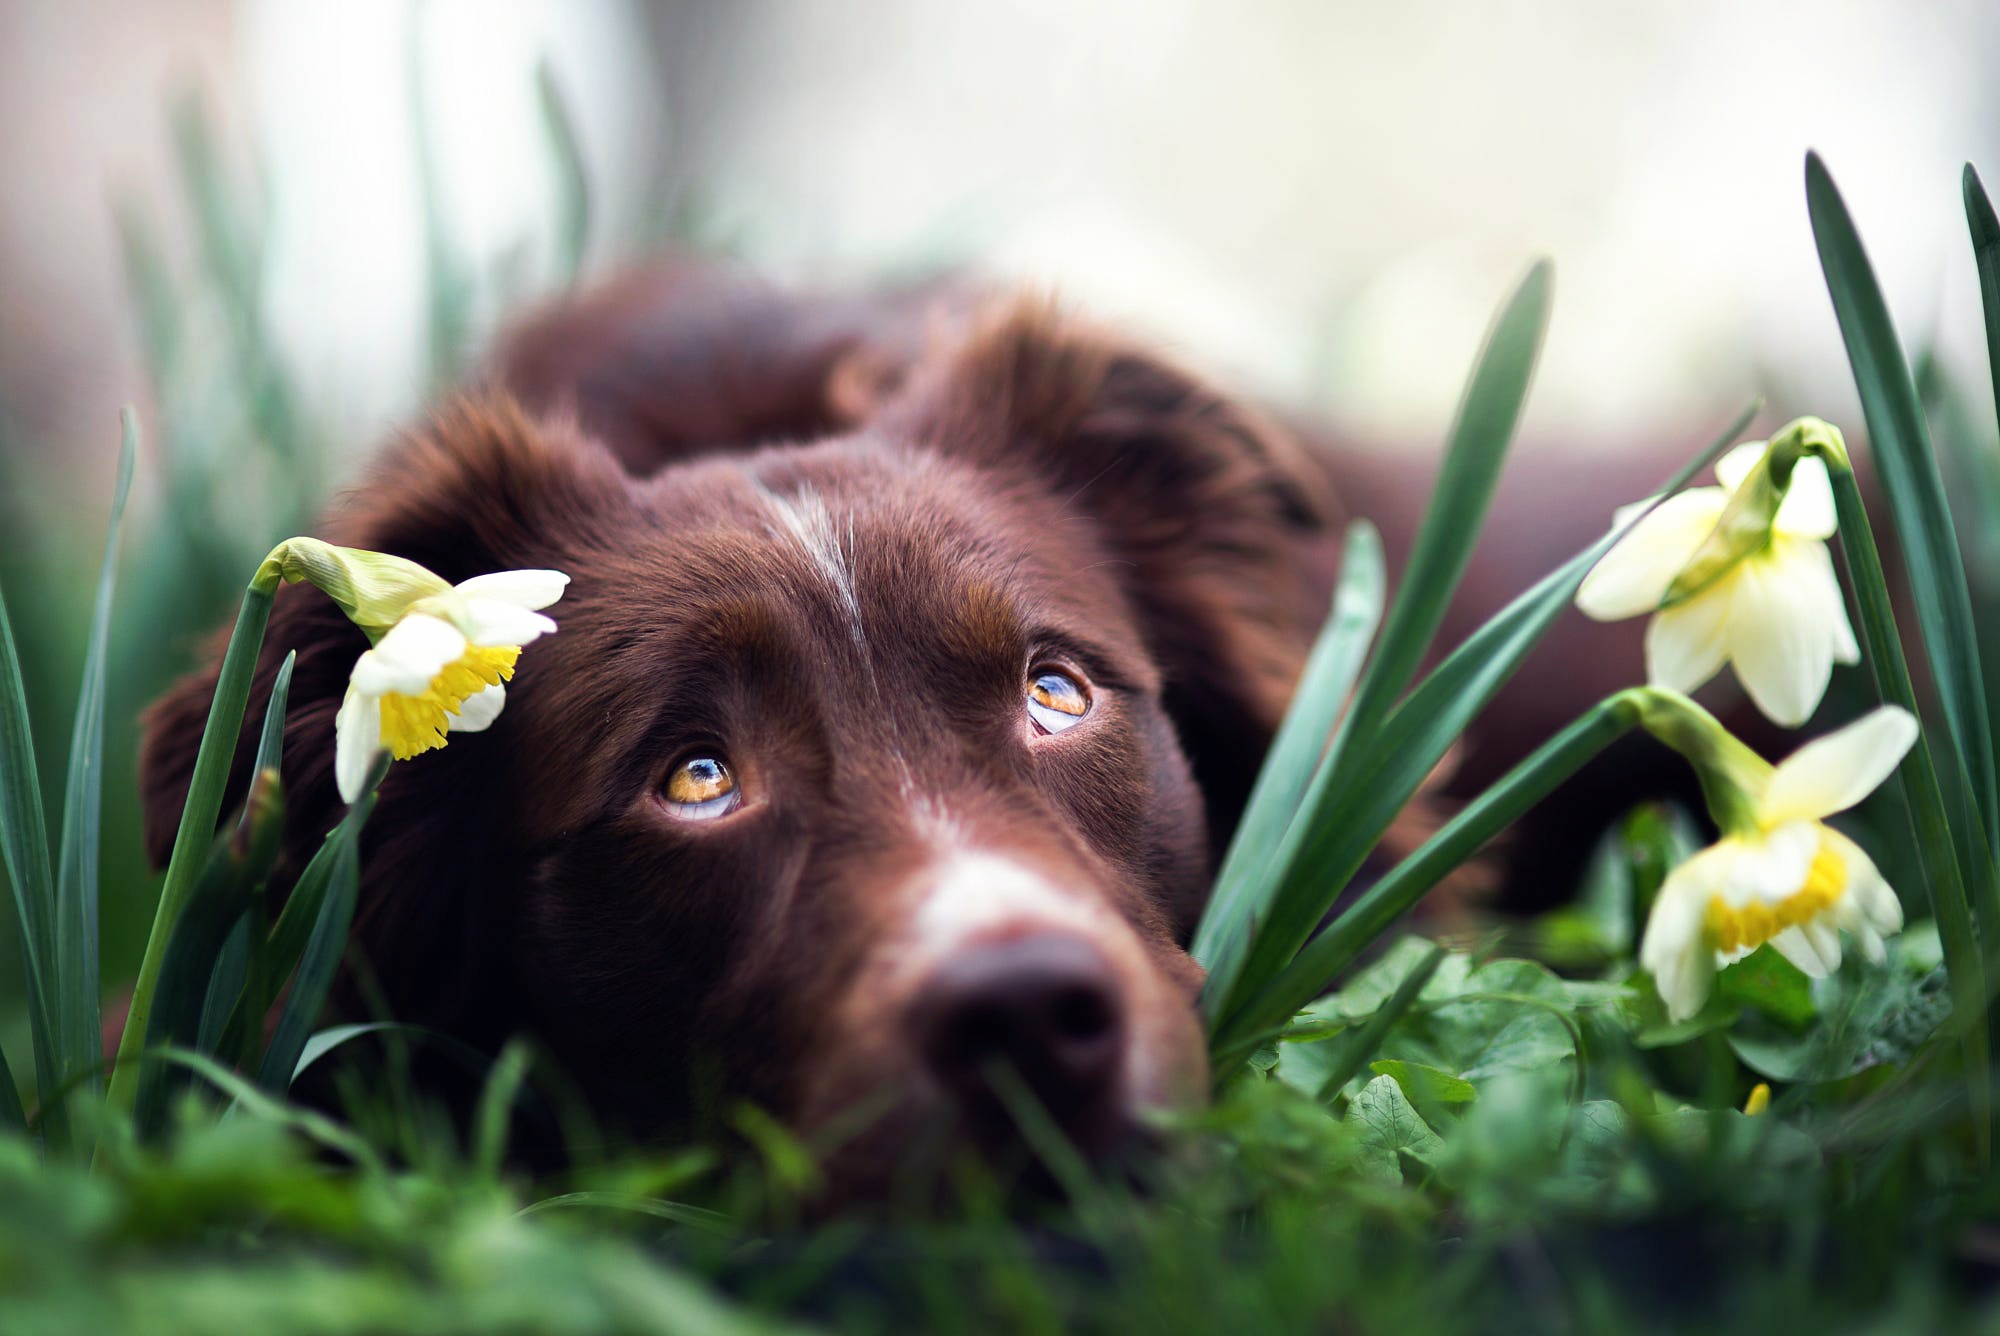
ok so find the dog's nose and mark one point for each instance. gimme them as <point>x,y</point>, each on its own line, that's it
<point>1043,1007</point>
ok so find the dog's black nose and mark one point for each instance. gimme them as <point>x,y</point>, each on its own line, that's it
<point>1041,1011</point>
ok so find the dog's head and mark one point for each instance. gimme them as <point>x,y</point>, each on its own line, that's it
<point>860,768</point>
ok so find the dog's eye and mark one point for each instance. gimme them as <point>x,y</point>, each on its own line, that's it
<point>1056,701</point>
<point>701,788</point>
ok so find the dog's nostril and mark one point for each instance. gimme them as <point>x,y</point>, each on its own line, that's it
<point>1081,1013</point>
<point>1043,1006</point>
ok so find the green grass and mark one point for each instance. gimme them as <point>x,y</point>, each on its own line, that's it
<point>1501,1133</point>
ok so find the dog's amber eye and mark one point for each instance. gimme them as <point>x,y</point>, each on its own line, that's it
<point>701,788</point>
<point>1056,701</point>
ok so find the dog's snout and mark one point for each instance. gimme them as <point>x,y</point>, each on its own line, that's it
<point>1043,1007</point>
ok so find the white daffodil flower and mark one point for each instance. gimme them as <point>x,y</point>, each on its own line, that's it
<point>438,669</point>
<point>1789,879</point>
<point>1771,605</point>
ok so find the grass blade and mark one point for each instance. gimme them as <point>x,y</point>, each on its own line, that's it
<point>337,889</point>
<point>1478,445</point>
<point>1899,440</point>
<point>74,965</point>
<point>1297,752</point>
<point>24,846</point>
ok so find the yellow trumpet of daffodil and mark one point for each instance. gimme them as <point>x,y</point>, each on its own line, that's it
<point>441,655</point>
<point>1779,874</point>
<point>1738,573</point>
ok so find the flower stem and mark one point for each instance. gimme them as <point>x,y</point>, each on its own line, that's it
<point>1923,797</point>
<point>197,828</point>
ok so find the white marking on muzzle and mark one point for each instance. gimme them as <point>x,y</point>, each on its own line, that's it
<point>976,894</point>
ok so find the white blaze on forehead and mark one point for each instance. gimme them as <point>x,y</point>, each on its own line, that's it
<point>806,518</point>
<point>973,893</point>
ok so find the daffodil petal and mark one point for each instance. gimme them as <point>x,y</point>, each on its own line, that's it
<point>357,737</point>
<point>477,712</point>
<point>415,650</point>
<point>1771,869</point>
<point>1832,773</point>
<point>498,623</point>
<point>1688,643</point>
<point>524,589</point>
<point>1807,510</point>
<point>1735,466</point>
<point>1813,947</point>
<point>1633,576</point>
<point>1674,950</point>
<point>1779,639</point>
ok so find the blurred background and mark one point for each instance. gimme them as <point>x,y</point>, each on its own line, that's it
<point>277,226</point>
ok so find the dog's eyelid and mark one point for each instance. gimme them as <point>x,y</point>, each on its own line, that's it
<point>1063,652</point>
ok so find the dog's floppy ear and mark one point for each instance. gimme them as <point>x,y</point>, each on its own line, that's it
<point>1219,522</point>
<point>483,488</point>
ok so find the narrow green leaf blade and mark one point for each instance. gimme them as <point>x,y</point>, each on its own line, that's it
<point>1900,441</point>
<point>24,846</point>
<point>1297,752</point>
<point>13,1118</point>
<point>75,964</point>
<point>337,894</point>
<point>1480,435</point>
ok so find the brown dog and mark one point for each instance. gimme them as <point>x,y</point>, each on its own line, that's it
<point>910,681</point>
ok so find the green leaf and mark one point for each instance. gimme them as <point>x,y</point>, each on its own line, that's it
<point>1508,1015</point>
<point>1299,751</point>
<point>1899,440</point>
<point>1432,1091</point>
<point>332,879</point>
<point>25,848</point>
<point>1766,982</point>
<point>75,963</point>
<point>1389,1128</point>
<point>1868,1017</point>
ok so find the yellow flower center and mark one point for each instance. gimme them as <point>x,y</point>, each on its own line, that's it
<point>412,725</point>
<point>1742,927</point>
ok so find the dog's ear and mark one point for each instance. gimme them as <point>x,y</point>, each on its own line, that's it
<point>483,488</point>
<point>1220,523</point>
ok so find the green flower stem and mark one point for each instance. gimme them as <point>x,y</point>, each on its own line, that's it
<point>1923,796</point>
<point>1731,774</point>
<point>198,821</point>
<point>1341,943</point>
